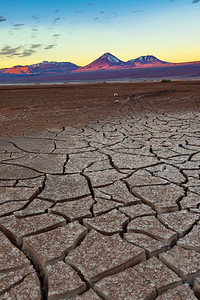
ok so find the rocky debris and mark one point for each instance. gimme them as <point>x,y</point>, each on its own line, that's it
<point>184,262</point>
<point>180,221</point>
<point>20,284</point>
<point>16,228</point>
<point>151,246</point>
<point>99,256</point>
<point>62,281</point>
<point>139,210</point>
<point>150,226</point>
<point>74,210</point>
<point>162,198</point>
<point>182,292</point>
<point>49,247</point>
<point>108,224</point>
<point>191,241</point>
<point>196,287</point>
<point>65,187</point>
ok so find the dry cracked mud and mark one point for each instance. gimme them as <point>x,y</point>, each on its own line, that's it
<point>109,210</point>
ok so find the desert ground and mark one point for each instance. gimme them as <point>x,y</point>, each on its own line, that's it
<point>100,191</point>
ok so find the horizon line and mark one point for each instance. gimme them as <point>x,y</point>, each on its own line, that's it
<point>107,52</point>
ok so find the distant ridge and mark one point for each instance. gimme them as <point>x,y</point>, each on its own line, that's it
<point>41,68</point>
<point>105,62</point>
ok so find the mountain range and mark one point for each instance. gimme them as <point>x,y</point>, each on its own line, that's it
<point>106,67</point>
<point>105,62</point>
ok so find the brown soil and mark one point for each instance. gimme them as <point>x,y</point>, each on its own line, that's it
<point>26,109</point>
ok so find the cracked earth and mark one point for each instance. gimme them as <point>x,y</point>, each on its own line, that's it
<point>109,210</point>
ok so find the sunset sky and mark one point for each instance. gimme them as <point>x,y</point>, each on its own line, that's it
<point>80,31</point>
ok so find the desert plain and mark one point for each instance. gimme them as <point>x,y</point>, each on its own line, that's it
<point>100,191</point>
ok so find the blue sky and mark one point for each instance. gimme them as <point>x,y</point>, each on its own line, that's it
<point>80,31</point>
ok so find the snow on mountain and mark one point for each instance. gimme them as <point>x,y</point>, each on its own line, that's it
<point>42,68</point>
<point>53,64</point>
<point>148,61</point>
<point>106,61</point>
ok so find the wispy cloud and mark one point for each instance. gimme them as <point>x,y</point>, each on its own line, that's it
<point>48,47</point>
<point>195,1</point>
<point>105,18</point>
<point>17,26</point>
<point>2,19</point>
<point>10,51</point>
<point>35,17</point>
<point>34,32</point>
<point>56,35</point>
<point>19,51</point>
<point>56,19</point>
<point>114,14</point>
<point>34,46</point>
<point>27,52</point>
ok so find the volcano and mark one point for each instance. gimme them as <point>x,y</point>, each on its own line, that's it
<point>147,61</point>
<point>106,66</point>
<point>106,61</point>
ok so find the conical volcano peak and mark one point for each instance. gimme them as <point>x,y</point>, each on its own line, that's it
<point>111,58</point>
<point>107,60</point>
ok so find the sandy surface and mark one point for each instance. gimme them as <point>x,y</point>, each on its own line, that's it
<point>25,109</point>
<point>100,194</point>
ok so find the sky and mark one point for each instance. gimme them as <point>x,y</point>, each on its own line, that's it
<point>80,31</point>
